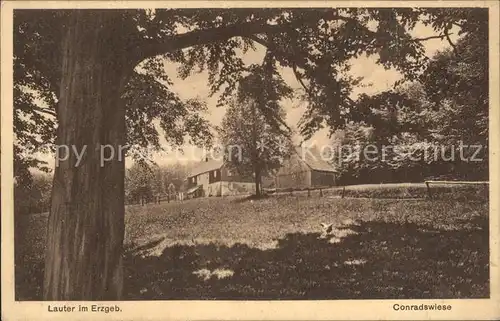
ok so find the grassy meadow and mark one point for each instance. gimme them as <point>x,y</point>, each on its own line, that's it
<point>274,248</point>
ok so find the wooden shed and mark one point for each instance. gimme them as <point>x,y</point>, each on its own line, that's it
<point>305,169</point>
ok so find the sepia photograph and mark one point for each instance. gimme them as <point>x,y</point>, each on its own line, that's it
<point>250,153</point>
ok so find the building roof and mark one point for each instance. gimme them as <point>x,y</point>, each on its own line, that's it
<point>193,189</point>
<point>312,158</point>
<point>206,166</point>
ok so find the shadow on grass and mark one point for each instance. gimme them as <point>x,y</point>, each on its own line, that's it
<point>379,260</point>
<point>376,260</point>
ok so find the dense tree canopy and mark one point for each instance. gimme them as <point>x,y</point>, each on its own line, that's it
<point>139,184</point>
<point>318,44</point>
<point>445,109</point>
<point>253,132</point>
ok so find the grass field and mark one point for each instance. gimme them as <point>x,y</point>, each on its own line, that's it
<point>232,248</point>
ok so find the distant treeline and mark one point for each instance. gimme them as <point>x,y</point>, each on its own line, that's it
<point>142,184</point>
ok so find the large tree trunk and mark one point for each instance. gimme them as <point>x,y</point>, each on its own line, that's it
<point>86,223</point>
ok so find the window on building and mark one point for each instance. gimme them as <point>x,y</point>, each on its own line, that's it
<point>215,174</point>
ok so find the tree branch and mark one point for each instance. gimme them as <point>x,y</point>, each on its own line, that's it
<point>299,79</point>
<point>44,110</point>
<point>294,64</point>
<point>433,37</point>
<point>203,37</point>
<point>206,36</point>
<point>258,40</point>
<point>451,42</point>
<point>248,30</point>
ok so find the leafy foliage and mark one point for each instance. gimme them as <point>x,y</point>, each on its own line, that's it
<point>139,183</point>
<point>457,81</point>
<point>254,123</point>
<point>150,104</point>
<point>318,44</point>
<point>444,113</point>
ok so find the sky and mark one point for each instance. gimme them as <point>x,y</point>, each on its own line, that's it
<point>375,79</point>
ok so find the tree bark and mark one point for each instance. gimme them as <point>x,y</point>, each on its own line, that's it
<point>86,223</point>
